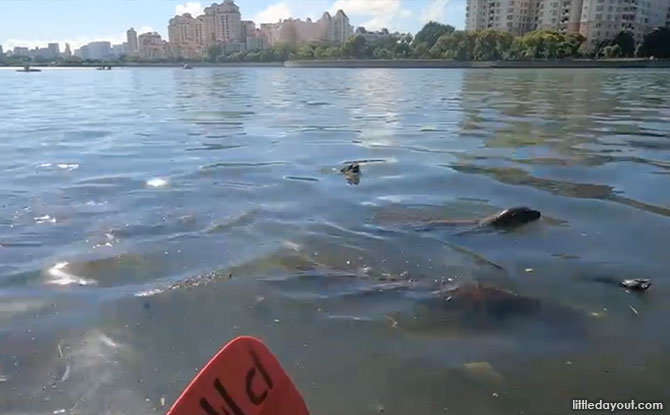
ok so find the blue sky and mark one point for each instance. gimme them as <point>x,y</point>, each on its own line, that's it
<point>36,22</point>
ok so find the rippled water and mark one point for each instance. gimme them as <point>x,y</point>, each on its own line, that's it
<point>149,216</point>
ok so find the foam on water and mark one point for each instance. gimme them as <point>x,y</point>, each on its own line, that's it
<point>61,277</point>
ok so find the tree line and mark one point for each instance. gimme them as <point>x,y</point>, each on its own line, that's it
<point>440,41</point>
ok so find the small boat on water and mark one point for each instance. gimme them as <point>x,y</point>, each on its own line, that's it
<point>27,68</point>
<point>187,66</point>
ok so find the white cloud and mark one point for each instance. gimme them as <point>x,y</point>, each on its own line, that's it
<point>274,13</point>
<point>435,11</point>
<point>194,8</point>
<point>380,13</point>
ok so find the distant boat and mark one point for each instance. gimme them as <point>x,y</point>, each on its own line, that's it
<point>187,66</point>
<point>28,69</point>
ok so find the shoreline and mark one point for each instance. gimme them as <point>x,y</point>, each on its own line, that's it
<point>397,64</point>
<point>449,64</point>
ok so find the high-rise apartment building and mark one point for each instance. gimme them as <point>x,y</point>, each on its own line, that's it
<point>53,50</point>
<point>133,46</point>
<point>226,22</point>
<point>603,19</point>
<point>181,30</point>
<point>248,29</point>
<point>221,24</point>
<point>151,46</point>
<point>341,28</point>
<point>562,16</point>
<point>514,16</point>
<point>294,31</point>
<point>596,20</point>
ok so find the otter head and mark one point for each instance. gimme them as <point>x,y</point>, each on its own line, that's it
<point>514,217</point>
<point>353,168</point>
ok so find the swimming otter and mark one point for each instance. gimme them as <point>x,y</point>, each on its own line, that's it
<point>352,173</point>
<point>353,168</point>
<point>634,284</point>
<point>637,284</point>
<point>508,218</point>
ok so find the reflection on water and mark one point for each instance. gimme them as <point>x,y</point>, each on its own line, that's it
<point>148,216</point>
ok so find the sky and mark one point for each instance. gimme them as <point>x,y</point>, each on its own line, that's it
<point>34,23</point>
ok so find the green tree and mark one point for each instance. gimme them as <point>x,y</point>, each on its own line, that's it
<point>284,52</point>
<point>422,51</point>
<point>458,45</point>
<point>611,52</point>
<point>402,45</point>
<point>492,45</point>
<point>543,44</point>
<point>213,53</point>
<point>331,52</point>
<point>571,44</point>
<point>382,53</point>
<point>626,43</point>
<point>305,52</point>
<point>657,43</point>
<point>355,47</point>
<point>431,32</point>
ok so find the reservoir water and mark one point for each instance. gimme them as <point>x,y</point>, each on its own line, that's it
<point>149,216</point>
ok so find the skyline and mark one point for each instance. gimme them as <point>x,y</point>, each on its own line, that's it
<point>74,22</point>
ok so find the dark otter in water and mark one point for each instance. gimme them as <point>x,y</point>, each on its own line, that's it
<point>636,284</point>
<point>352,172</point>
<point>508,218</point>
<point>353,168</point>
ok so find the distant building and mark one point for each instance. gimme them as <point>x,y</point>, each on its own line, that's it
<point>21,51</point>
<point>100,50</point>
<point>54,50</point>
<point>293,31</point>
<point>372,36</point>
<point>68,53</point>
<point>231,47</point>
<point>131,36</point>
<point>596,20</point>
<point>560,16</point>
<point>222,25</point>
<point>82,53</point>
<point>248,29</point>
<point>227,22</point>
<point>151,46</point>
<point>189,37</point>
<point>341,29</point>
<point>182,32</point>
<point>95,51</point>
<point>256,43</point>
<point>603,19</point>
<point>119,50</point>
<point>514,16</point>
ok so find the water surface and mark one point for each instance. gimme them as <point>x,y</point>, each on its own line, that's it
<point>149,216</point>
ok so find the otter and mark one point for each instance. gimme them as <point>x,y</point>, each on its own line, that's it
<point>633,284</point>
<point>637,284</point>
<point>352,173</point>
<point>353,168</point>
<point>508,218</point>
